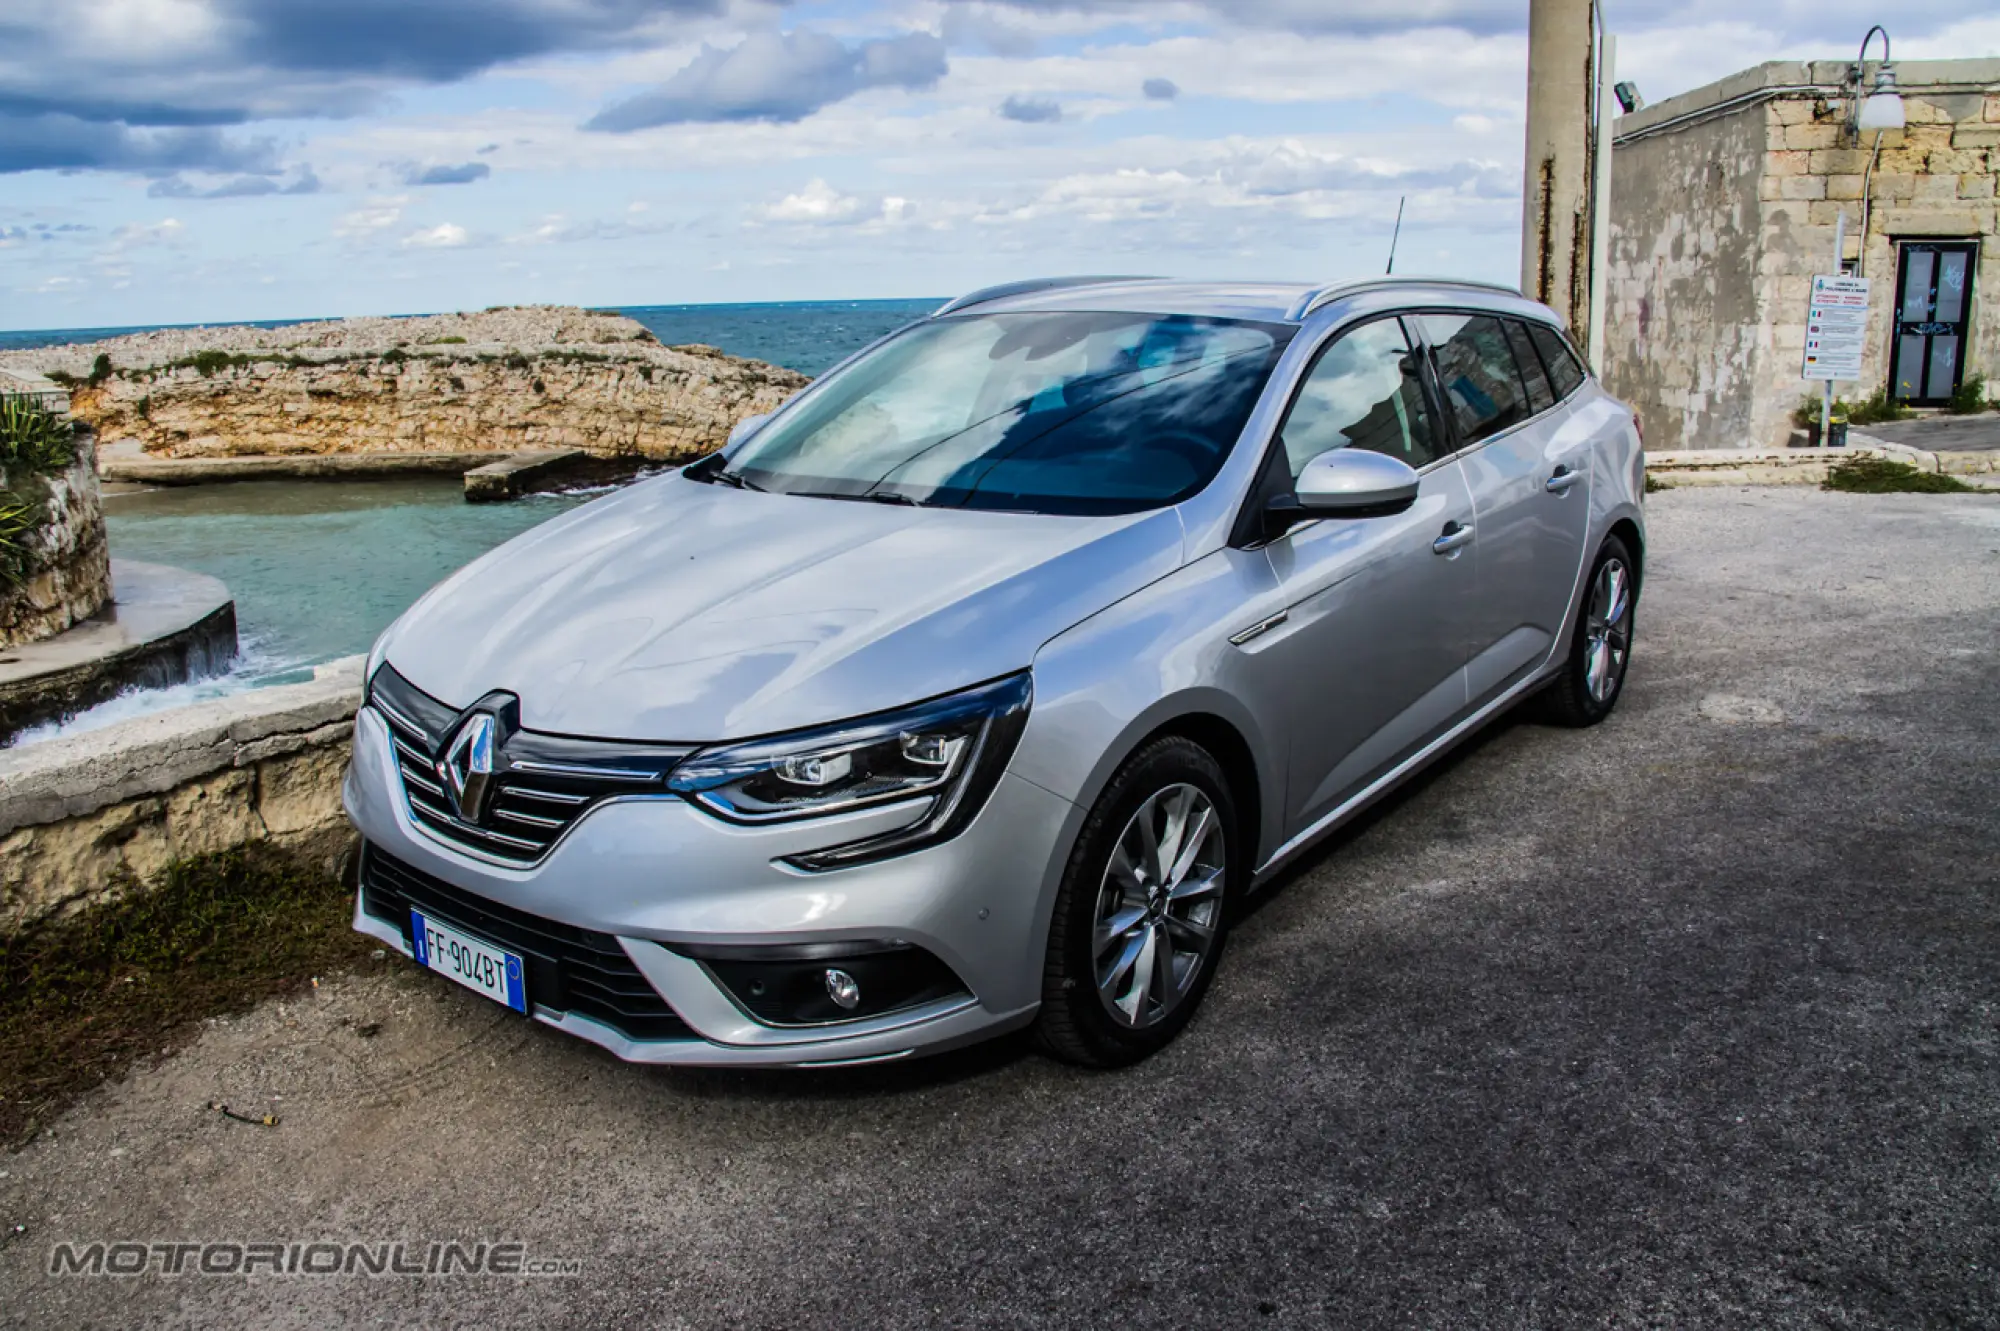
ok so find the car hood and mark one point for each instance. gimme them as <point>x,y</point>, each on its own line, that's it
<point>675,610</point>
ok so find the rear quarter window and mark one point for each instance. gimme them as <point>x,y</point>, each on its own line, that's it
<point>1565,373</point>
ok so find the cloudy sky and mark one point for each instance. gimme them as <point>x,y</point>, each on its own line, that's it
<point>204,160</point>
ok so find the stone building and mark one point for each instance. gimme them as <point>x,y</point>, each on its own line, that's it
<point>1724,205</point>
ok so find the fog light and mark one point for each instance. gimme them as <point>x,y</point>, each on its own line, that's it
<point>842,989</point>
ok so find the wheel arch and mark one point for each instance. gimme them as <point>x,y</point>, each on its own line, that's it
<point>1222,740</point>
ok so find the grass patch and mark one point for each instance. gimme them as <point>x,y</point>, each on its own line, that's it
<point>83,998</point>
<point>1654,484</point>
<point>1880,476</point>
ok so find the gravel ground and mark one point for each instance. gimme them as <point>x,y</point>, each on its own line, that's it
<point>1689,1020</point>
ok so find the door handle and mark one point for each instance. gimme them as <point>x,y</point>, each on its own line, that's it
<point>1455,536</point>
<point>1562,480</point>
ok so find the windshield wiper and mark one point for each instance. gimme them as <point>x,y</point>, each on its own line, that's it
<point>871,497</point>
<point>735,480</point>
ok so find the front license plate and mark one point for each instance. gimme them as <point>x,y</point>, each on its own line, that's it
<point>492,971</point>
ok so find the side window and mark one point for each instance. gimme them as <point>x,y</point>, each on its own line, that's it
<point>1476,369</point>
<point>1539,396</point>
<point>1564,373</point>
<point>1364,391</point>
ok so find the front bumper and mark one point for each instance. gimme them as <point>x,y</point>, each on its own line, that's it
<point>654,873</point>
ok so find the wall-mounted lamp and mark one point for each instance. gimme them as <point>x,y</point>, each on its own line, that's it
<point>1627,93</point>
<point>1881,109</point>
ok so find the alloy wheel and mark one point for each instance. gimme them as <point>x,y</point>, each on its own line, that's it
<point>1159,906</point>
<point>1608,631</point>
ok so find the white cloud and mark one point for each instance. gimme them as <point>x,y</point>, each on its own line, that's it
<point>445,235</point>
<point>817,204</point>
<point>377,216</point>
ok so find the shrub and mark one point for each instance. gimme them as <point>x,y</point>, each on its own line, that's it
<point>453,341</point>
<point>33,438</point>
<point>395,356</point>
<point>1876,408</point>
<point>100,370</point>
<point>1970,399</point>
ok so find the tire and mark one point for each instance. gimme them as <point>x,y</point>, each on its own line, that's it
<point>1087,1020</point>
<point>1578,697</point>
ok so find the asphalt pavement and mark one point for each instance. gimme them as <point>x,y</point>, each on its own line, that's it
<point>1689,1020</point>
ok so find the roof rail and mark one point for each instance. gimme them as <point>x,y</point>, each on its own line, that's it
<point>1006,289</point>
<point>1332,291</point>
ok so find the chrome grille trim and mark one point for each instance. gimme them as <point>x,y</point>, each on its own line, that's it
<point>556,794</point>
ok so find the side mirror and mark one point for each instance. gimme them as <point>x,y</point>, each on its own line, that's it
<point>1345,483</point>
<point>746,427</point>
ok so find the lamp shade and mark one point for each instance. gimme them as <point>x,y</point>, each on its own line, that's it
<point>1882,110</point>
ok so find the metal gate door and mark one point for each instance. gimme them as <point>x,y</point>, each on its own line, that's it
<point>1933,315</point>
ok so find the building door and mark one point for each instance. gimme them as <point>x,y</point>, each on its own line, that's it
<point>1933,316</point>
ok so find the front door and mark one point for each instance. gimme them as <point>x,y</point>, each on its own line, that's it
<point>1933,311</point>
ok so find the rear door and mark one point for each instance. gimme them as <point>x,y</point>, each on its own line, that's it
<point>1367,659</point>
<point>1527,466</point>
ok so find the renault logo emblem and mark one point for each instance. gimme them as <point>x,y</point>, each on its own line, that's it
<point>467,765</point>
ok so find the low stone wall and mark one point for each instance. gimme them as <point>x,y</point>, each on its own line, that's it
<point>69,557</point>
<point>96,815</point>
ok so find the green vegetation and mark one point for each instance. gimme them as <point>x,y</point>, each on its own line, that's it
<point>100,370</point>
<point>1654,484</point>
<point>1877,476</point>
<point>1874,409</point>
<point>34,443</point>
<point>84,997</point>
<point>33,438</point>
<point>1970,399</point>
<point>453,341</point>
<point>395,356</point>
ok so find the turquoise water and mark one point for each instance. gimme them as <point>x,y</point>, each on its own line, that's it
<point>319,568</point>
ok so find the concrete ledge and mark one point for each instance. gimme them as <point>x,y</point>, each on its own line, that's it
<point>89,816</point>
<point>512,477</point>
<point>1773,466</point>
<point>163,626</point>
<point>118,464</point>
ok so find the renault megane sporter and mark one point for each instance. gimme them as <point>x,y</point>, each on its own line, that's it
<point>976,687</point>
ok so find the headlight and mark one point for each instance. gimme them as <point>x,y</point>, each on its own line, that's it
<point>942,757</point>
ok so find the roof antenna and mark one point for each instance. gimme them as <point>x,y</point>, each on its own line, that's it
<point>1395,235</point>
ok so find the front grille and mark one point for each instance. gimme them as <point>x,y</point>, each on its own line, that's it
<point>542,783</point>
<point>568,969</point>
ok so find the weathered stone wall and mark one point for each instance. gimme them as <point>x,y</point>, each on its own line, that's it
<point>69,576</point>
<point>501,382</point>
<point>1684,322</point>
<point>86,818</point>
<point>1719,224</point>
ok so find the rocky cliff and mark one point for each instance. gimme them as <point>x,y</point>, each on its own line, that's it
<point>500,381</point>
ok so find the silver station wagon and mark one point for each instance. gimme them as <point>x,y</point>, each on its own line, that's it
<point>977,687</point>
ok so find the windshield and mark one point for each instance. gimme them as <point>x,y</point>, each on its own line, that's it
<point>1048,413</point>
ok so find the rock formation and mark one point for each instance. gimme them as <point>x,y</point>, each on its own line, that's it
<point>500,381</point>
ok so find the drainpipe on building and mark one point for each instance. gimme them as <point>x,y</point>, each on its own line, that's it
<point>1600,200</point>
